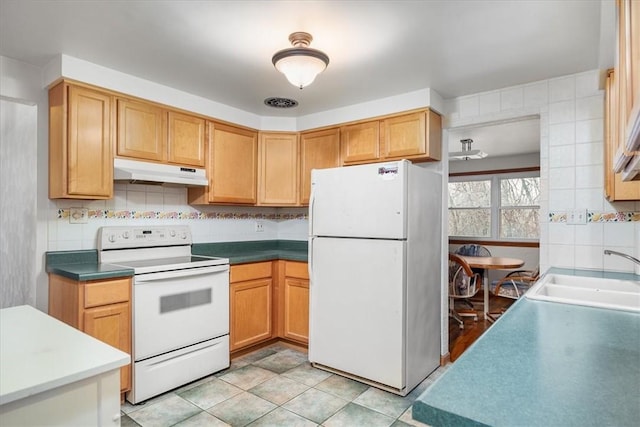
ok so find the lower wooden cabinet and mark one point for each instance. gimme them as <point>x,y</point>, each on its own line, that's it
<point>100,308</point>
<point>250,306</point>
<point>268,300</point>
<point>295,306</point>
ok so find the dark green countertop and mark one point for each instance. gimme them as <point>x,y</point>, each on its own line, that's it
<point>544,364</point>
<point>83,265</point>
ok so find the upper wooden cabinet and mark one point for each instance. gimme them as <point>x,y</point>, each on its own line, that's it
<point>186,139</point>
<point>318,150</point>
<point>80,154</point>
<point>415,136</point>
<point>147,131</point>
<point>360,142</point>
<point>141,131</point>
<point>278,169</point>
<point>232,167</point>
<point>615,189</point>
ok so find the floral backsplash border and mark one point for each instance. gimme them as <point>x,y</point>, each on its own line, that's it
<point>125,214</point>
<point>599,216</point>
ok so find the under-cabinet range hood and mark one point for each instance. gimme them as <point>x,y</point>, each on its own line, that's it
<point>137,172</point>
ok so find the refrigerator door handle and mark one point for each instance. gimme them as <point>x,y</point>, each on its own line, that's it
<point>312,201</point>
<point>310,263</point>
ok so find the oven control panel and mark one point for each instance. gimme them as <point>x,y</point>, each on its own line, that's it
<point>144,236</point>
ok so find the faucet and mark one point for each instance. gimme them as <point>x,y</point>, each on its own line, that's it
<point>629,257</point>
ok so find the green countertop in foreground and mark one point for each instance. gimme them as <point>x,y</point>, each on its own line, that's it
<point>83,265</point>
<point>544,364</point>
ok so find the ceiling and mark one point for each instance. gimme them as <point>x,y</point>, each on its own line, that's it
<point>221,50</point>
<point>500,139</point>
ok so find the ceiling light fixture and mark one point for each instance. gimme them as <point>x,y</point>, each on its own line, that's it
<point>300,64</point>
<point>467,153</point>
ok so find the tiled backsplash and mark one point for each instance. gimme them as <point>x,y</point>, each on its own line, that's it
<point>571,111</point>
<point>135,204</point>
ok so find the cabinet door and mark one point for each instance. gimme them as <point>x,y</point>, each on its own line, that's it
<point>112,324</point>
<point>360,142</point>
<point>233,165</point>
<point>614,188</point>
<point>278,169</point>
<point>296,309</point>
<point>141,131</point>
<point>185,139</point>
<point>250,312</point>
<point>318,150</point>
<point>89,159</point>
<point>404,136</point>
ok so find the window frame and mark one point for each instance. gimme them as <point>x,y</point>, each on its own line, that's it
<point>496,208</point>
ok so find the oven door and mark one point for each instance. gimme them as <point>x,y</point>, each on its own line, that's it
<point>175,309</point>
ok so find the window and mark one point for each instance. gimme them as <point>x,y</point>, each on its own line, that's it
<point>500,207</point>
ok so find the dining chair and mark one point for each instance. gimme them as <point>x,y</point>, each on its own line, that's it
<point>514,285</point>
<point>463,284</point>
<point>473,249</point>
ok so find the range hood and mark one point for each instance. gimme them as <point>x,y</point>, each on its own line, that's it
<point>134,171</point>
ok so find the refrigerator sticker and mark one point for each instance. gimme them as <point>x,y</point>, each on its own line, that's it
<point>388,172</point>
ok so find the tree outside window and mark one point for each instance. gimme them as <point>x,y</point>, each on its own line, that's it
<point>496,207</point>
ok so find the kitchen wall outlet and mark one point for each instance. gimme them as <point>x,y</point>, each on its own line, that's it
<point>259,226</point>
<point>78,215</point>
<point>577,217</point>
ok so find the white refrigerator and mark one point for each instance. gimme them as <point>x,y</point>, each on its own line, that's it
<point>374,265</point>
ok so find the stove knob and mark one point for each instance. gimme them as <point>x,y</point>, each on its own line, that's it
<point>125,234</point>
<point>183,236</point>
<point>172,233</point>
<point>112,238</point>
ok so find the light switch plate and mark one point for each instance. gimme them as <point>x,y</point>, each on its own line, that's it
<point>577,217</point>
<point>78,215</point>
<point>259,227</point>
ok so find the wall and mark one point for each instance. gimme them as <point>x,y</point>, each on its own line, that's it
<point>571,110</point>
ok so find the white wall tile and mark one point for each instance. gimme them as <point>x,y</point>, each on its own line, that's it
<point>591,234</point>
<point>590,130</point>
<point>154,202</point>
<point>590,198</point>
<point>536,94</point>
<point>561,233</point>
<point>588,83</point>
<point>562,156</point>
<point>591,107</point>
<point>562,255</point>
<point>562,134</point>
<point>619,234</point>
<point>468,106</point>
<point>136,200</point>
<point>562,89</point>
<point>489,102</point>
<point>561,178</point>
<point>562,112</point>
<point>589,176</point>
<point>562,200</point>
<point>512,98</point>
<point>589,154</point>
<point>589,257</point>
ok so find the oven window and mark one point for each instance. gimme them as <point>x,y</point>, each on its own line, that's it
<point>184,300</point>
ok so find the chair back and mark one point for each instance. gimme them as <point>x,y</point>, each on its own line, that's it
<point>473,250</point>
<point>463,282</point>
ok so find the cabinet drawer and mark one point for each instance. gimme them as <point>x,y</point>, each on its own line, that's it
<point>106,292</point>
<point>257,270</point>
<point>296,269</point>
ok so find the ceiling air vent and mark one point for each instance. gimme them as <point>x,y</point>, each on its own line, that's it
<point>276,102</point>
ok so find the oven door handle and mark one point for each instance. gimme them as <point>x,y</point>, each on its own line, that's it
<point>200,271</point>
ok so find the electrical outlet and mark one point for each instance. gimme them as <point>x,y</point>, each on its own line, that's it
<point>259,226</point>
<point>78,215</point>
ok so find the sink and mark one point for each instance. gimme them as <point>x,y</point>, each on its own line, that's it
<point>613,294</point>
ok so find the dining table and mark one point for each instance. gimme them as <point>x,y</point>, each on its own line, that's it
<point>490,263</point>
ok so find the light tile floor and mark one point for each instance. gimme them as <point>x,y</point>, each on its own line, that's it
<point>276,386</point>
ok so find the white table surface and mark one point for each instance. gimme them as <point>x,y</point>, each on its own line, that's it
<point>39,353</point>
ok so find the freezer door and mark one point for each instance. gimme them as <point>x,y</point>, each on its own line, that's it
<point>357,300</point>
<point>359,201</point>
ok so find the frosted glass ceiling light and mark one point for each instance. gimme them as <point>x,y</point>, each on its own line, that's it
<point>300,64</point>
<point>467,153</point>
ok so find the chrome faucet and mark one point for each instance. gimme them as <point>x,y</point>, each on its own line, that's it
<point>629,257</point>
